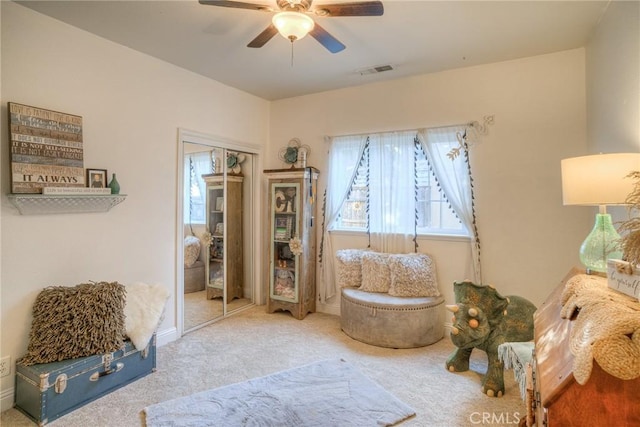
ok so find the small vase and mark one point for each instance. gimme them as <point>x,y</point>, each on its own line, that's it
<point>114,185</point>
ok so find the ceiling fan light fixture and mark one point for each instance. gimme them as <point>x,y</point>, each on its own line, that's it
<point>293,25</point>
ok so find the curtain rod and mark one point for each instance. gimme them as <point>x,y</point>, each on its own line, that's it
<point>488,120</point>
<point>472,124</point>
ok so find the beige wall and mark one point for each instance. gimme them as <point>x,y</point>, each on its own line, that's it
<point>613,86</point>
<point>132,106</point>
<point>613,81</point>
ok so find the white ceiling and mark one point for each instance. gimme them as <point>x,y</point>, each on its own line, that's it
<point>415,37</point>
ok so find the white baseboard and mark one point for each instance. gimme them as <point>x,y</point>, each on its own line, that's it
<point>166,336</point>
<point>6,399</point>
<point>328,309</point>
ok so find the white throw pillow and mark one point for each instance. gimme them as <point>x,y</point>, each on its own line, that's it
<point>375,272</point>
<point>413,275</point>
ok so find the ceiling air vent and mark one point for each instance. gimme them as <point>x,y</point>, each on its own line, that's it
<point>375,70</point>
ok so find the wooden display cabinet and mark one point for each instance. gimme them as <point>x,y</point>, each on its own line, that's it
<point>559,401</point>
<point>292,205</point>
<point>224,221</point>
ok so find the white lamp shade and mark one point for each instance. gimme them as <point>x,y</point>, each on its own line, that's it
<point>600,179</point>
<point>293,25</point>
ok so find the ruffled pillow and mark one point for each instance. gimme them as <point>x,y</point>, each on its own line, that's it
<point>76,321</point>
<point>413,275</point>
<point>191,250</point>
<point>375,272</point>
<point>349,267</point>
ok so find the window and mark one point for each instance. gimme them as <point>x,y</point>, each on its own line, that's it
<point>413,203</point>
<point>196,164</point>
<point>396,185</point>
<point>434,215</point>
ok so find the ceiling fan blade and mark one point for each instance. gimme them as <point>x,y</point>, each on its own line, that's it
<point>264,36</point>
<point>237,5</point>
<point>327,40</point>
<point>363,8</point>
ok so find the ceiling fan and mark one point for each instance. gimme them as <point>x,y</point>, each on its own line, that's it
<point>292,20</point>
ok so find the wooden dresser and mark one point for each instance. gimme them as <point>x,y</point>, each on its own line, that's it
<point>559,401</point>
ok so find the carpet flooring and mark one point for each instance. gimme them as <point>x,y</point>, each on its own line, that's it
<point>252,344</point>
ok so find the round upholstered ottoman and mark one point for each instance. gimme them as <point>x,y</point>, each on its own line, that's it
<point>388,321</point>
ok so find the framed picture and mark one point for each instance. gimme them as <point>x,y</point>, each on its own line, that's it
<point>219,204</point>
<point>97,178</point>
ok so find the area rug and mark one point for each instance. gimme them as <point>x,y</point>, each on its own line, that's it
<point>325,393</point>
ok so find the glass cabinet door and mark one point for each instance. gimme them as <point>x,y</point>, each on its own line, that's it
<point>284,227</point>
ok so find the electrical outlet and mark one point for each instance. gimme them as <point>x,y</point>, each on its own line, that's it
<point>5,366</point>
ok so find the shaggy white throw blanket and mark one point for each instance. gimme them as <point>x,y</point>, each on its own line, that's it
<point>326,393</point>
<point>143,311</point>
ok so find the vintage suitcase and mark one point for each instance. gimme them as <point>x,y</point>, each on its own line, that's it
<point>47,391</point>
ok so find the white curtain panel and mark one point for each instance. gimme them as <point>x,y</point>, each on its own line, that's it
<point>338,185</point>
<point>201,165</point>
<point>393,208</point>
<point>454,179</point>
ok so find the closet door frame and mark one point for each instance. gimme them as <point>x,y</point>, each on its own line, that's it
<point>255,206</point>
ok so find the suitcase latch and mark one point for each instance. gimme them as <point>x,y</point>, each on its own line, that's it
<point>97,375</point>
<point>61,383</point>
<point>106,361</point>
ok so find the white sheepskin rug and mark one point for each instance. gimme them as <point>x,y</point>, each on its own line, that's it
<point>143,311</point>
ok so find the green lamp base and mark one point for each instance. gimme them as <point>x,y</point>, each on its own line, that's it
<point>600,245</point>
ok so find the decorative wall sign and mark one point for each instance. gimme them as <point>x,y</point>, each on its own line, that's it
<point>46,149</point>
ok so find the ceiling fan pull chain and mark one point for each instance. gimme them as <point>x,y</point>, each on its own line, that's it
<point>291,53</point>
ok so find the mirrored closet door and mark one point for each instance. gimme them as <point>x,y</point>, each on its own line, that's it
<point>217,207</point>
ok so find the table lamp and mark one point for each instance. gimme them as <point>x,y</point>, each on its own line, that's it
<point>599,180</point>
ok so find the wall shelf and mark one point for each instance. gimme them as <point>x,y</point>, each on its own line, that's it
<point>40,204</point>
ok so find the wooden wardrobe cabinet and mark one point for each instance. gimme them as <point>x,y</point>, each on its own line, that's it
<point>292,206</point>
<point>224,266</point>
<point>559,401</point>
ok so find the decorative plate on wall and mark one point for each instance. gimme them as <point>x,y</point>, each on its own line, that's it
<point>294,153</point>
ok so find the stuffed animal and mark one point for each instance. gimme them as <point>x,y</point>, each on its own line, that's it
<point>484,319</point>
